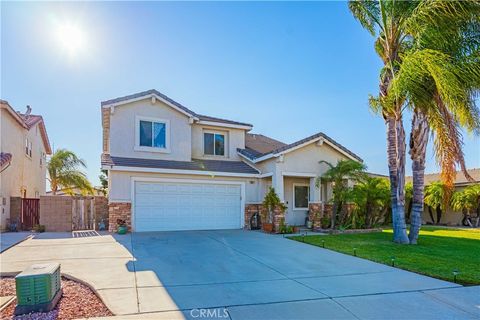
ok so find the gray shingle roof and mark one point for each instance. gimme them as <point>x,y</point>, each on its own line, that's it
<point>195,164</point>
<point>254,156</point>
<point>175,103</point>
<point>261,143</point>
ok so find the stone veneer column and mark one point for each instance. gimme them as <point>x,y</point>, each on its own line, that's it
<point>278,216</point>
<point>250,210</point>
<point>315,210</point>
<point>119,210</point>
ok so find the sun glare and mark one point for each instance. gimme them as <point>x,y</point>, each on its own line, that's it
<point>71,38</point>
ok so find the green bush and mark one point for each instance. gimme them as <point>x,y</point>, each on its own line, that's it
<point>39,228</point>
<point>325,222</point>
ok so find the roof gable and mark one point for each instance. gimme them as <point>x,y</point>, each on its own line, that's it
<point>172,103</point>
<point>320,137</point>
<point>28,121</point>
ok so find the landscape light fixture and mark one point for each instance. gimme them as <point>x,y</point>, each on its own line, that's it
<point>455,273</point>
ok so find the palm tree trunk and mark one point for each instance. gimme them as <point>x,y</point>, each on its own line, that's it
<point>439,214</point>
<point>418,147</point>
<point>408,213</point>
<point>431,214</point>
<point>396,168</point>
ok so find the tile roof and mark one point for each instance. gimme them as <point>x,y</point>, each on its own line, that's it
<point>5,159</point>
<point>195,164</point>
<point>286,147</point>
<point>175,103</point>
<point>459,179</point>
<point>31,119</point>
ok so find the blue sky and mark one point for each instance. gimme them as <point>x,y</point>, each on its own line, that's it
<point>290,69</point>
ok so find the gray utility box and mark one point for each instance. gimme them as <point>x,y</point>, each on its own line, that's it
<point>38,288</point>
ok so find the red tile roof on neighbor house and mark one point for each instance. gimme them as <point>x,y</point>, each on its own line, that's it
<point>5,159</point>
<point>28,121</point>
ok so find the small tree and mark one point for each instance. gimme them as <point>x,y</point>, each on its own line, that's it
<point>339,175</point>
<point>104,181</point>
<point>435,198</point>
<point>270,202</point>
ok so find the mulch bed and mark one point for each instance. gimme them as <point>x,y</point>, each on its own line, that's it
<point>78,301</point>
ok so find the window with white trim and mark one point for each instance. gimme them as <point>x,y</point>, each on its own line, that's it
<point>152,134</point>
<point>214,144</point>
<point>300,196</point>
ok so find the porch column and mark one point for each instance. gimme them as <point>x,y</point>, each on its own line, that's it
<point>277,184</point>
<point>314,191</point>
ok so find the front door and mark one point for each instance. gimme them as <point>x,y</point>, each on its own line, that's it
<point>297,203</point>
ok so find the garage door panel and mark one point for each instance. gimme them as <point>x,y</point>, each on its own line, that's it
<point>163,206</point>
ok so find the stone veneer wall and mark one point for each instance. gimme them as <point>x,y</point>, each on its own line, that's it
<point>119,210</point>
<point>252,208</point>
<point>318,210</point>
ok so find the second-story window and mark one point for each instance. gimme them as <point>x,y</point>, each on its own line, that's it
<point>28,147</point>
<point>214,144</point>
<point>152,134</point>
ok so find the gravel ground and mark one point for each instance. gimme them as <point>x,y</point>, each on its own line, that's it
<point>77,301</point>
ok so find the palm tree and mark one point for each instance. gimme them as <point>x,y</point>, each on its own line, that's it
<point>372,198</point>
<point>466,201</point>
<point>63,173</point>
<point>440,75</point>
<point>339,175</point>
<point>473,194</point>
<point>386,20</point>
<point>435,198</point>
<point>403,27</point>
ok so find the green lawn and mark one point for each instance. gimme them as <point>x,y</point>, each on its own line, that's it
<point>439,251</point>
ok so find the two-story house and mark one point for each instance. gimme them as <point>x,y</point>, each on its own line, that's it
<point>24,146</point>
<point>170,168</point>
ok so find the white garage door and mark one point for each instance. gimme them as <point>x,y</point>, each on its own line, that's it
<point>167,206</point>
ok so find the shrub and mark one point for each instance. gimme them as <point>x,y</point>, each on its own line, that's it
<point>39,228</point>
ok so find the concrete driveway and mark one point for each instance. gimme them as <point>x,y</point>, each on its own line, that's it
<point>242,275</point>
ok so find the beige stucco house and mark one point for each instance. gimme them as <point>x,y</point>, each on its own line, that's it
<point>24,146</point>
<point>170,168</point>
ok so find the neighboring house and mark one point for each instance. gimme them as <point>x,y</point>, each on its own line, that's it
<point>449,217</point>
<point>170,168</point>
<point>24,146</point>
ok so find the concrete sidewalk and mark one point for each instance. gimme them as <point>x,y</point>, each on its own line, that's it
<point>245,275</point>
